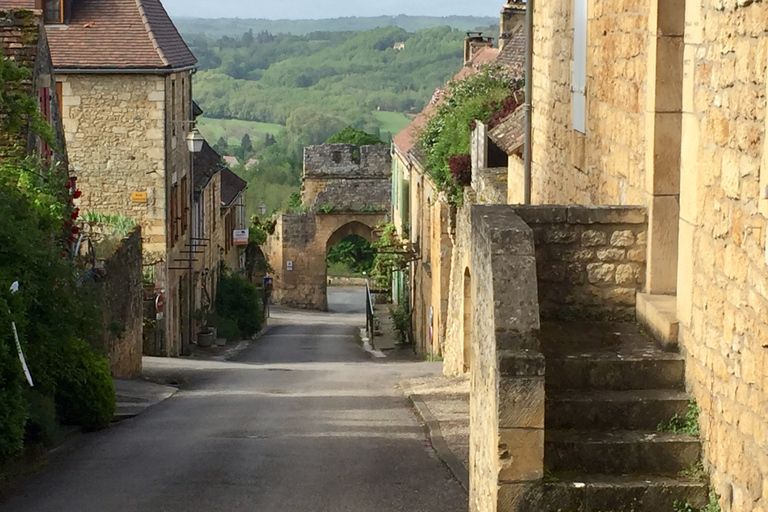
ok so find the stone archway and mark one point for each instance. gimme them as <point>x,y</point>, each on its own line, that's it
<point>346,190</point>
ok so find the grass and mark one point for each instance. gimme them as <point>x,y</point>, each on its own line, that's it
<point>712,506</point>
<point>234,129</point>
<point>688,424</point>
<point>392,122</point>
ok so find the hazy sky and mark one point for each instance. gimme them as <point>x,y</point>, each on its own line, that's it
<point>317,9</point>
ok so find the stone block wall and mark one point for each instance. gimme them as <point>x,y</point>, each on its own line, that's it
<point>115,132</point>
<point>607,164</point>
<point>121,306</point>
<point>590,260</point>
<point>722,295</point>
<point>348,177</point>
<point>303,239</point>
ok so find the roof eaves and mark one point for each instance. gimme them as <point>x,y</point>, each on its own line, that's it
<point>151,33</point>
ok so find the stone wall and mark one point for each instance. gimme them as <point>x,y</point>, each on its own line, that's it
<point>590,260</point>
<point>114,126</point>
<point>722,295</point>
<point>347,177</point>
<point>303,239</point>
<point>121,306</point>
<point>607,165</point>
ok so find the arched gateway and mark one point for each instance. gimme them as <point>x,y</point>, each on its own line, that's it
<point>346,190</point>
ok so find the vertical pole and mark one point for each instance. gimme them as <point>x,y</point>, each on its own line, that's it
<point>528,101</point>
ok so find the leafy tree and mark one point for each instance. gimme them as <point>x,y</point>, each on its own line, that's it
<point>353,252</point>
<point>351,135</point>
<point>221,146</point>
<point>246,146</point>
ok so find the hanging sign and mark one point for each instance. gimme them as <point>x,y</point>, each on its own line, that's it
<point>240,237</point>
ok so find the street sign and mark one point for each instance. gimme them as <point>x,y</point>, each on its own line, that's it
<point>159,303</point>
<point>240,237</point>
<point>289,265</point>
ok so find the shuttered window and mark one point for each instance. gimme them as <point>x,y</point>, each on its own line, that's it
<point>579,80</point>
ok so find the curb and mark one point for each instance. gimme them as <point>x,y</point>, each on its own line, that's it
<point>229,354</point>
<point>436,436</point>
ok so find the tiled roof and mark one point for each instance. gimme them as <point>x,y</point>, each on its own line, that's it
<point>118,34</point>
<point>512,56</point>
<point>231,186</point>
<point>509,135</point>
<point>207,163</point>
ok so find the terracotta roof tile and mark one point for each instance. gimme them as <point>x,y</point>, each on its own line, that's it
<point>18,4</point>
<point>509,134</point>
<point>118,34</point>
<point>512,56</point>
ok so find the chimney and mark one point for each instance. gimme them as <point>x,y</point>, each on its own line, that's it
<point>512,17</point>
<point>474,42</point>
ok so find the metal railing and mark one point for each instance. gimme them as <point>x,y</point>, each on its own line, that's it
<point>370,318</point>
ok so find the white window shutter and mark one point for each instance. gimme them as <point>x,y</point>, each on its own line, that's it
<point>579,81</point>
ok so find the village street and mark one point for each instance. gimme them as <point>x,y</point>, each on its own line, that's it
<point>302,420</point>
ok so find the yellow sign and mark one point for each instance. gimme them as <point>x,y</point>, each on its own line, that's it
<point>139,197</point>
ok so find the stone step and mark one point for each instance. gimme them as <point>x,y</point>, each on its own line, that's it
<point>605,410</point>
<point>603,493</point>
<point>620,451</point>
<point>607,371</point>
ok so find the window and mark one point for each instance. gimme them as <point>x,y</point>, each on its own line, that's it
<point>46,153</point>
<point>54,11</point>
<point>174,213</point>
<point>184,205</point>
<point>579,81</point>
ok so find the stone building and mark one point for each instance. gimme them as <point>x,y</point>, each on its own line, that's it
<point>23,40</point>
<point>346,190</point>
<point>218,210</point>
<point>421,213</point>
<point>123,76</point>
<point>663,105</point>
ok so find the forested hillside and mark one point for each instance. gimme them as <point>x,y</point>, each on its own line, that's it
<point>227,26</point>
<point>266,96</point>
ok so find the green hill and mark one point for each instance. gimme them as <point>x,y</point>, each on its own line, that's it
<point>227,26</point>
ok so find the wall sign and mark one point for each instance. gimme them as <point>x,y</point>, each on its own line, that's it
<point>289,265</point>
<point>138,197</point>
<point>240,237</point>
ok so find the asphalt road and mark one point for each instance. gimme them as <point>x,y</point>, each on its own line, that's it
<point>302,420</point>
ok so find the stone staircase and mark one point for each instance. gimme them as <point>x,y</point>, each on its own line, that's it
<point>608,387</point>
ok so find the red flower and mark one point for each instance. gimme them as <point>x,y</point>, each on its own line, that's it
<point>77,194</point>
<point>75,230</point>
<point>63,255</point>
<point>71,239</point>
<point>75,213</point>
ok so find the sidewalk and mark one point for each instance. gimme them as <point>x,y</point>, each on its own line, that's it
<point>443,404</point>
<point>134,396</point>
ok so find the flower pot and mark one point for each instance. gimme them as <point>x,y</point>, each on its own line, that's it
<point>206,338</point>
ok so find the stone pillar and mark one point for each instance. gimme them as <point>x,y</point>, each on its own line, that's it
<point>507,373</point>
<point>663,137</point>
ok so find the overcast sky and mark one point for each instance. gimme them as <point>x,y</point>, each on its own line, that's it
<point>319,9</point>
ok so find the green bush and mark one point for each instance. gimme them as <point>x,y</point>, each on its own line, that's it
<point>225,327</point>
<point>41,427</point>
<point>401,319</point>
<point>239,300</point>
<point>13,410</point>
<point>85,393</point>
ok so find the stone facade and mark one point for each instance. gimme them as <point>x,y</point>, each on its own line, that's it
<point>676,122</point>
<point>298,252</point>
<point>121,307</point>
<point>23,39</point>
<point>590,260</point>
<point>126,135</point>
<point>347,177</point>
<point>355,184</point>
<point>722,296</point>
<point>607,166</point>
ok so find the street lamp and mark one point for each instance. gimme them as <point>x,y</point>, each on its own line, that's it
<point>262,209</point>
<point>195,142</point>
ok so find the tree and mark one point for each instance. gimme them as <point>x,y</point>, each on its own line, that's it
<point>221,146</point>
<point>246,146</point>
<point>351,135</point>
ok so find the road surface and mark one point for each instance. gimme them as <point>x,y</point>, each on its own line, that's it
<point>302,420</point>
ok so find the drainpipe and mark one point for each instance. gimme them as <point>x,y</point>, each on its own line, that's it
<point>528,104</point>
